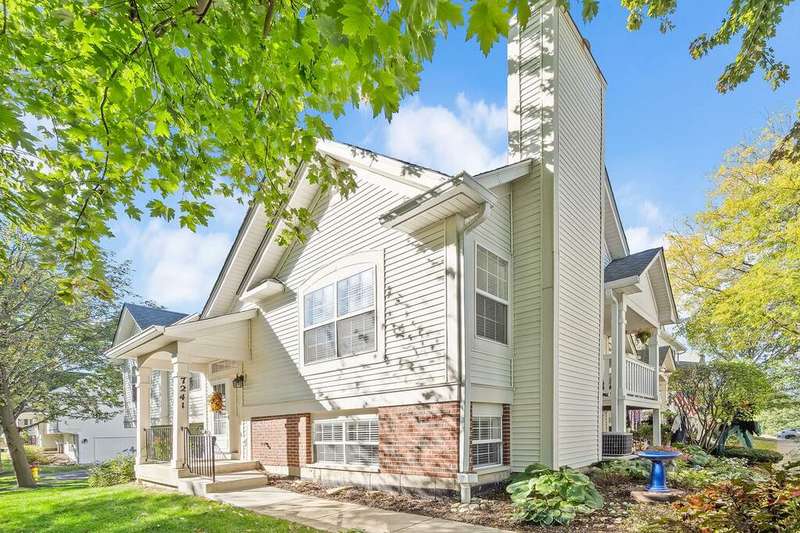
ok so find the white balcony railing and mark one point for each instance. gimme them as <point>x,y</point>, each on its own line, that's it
<point>640,379</point>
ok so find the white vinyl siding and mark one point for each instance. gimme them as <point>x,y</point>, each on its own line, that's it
<point>526,411</point>
<point>487,441</point>
<point>490,365</point>
<point>528,108</point>
<point>579,93</point>
<point>347,441</point>
<point>413,297</point>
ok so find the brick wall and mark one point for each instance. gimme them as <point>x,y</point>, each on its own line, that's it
<point>419,439</point>
<point>281,440</point>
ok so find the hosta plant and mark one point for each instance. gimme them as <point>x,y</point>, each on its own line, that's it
<point>544,496</point>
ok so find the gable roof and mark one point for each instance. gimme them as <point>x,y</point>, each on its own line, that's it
<point>254,251</point>
<point>631,265</point>
<point>151,316</point>
<point>663,351</point>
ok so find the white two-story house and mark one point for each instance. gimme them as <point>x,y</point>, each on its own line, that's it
<point>434,332</point>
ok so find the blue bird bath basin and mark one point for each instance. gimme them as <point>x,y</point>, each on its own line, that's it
<point>658,476</point>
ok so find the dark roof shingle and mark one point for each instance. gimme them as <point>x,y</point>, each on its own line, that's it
<point>632,265</point>
<point>150,316</point>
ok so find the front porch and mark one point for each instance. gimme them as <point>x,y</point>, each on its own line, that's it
<point>638,302</point>
<point>180,442</point>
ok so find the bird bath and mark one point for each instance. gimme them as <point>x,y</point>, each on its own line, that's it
<point>658,476</point>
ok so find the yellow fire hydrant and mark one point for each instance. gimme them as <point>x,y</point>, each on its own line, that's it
<point>35,472</point>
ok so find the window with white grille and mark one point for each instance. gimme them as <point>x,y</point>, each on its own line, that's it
<point>194,381</point>
<point>339,318</point>
<point>491,296</point>
<point>487,440</point>
<point>351,441</point>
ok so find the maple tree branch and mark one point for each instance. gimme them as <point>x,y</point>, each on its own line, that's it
<point>268,18</point>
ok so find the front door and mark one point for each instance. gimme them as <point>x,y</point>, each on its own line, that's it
<point>219,423</point>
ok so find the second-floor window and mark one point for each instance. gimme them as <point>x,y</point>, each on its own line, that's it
<point>491,296</point>
<point>339,318</point>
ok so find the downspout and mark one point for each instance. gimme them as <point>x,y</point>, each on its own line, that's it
<point>465,478</point>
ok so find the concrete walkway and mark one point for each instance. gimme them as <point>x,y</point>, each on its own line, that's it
<point>330,515</point>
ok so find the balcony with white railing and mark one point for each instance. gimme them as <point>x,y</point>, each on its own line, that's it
<point>640,379</point>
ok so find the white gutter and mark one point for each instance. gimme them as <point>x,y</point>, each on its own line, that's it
<point>465,478</point>
<point>134,342</point>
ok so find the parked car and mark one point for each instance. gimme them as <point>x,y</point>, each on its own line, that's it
<point>789,434</point>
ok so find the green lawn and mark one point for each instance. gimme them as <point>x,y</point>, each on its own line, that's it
<point>71,506</point>
<point>765,444</point>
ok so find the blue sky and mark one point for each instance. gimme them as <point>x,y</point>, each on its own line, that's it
<point>667,129</point>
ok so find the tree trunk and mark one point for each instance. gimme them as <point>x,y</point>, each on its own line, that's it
<point>16,448</point>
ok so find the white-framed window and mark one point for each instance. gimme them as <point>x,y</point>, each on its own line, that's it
<point>487,441</point>
<point>347,441</point>
<point>340,316</point>
<point>194,381</point>
<point>491,296</point>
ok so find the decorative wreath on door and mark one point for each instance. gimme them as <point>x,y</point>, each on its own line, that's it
<point>216,402</point>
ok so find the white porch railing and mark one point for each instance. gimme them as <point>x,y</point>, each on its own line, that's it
<point>640,379</point>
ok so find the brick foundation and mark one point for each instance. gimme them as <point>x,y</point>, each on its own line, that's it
<point>419,439</point>
<point>281,440</point>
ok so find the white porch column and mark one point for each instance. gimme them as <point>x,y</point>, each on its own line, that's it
<point>652,352</point>
<point>180,408</point>
<point>163,394</point>
<point>142,411</point>
<point>618,391</point>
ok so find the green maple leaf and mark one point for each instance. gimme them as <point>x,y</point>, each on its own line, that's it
<point>487,22</point>
<point>357,19</point>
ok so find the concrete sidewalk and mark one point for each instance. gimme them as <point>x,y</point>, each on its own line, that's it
<point>330,515</point>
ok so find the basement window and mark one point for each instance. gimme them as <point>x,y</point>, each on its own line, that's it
<point>346,441</point>
<point>487,441</point>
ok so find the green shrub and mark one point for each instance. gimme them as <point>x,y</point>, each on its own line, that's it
<point>753,455</point>
<point>695,454</point>
<point>634,469</point>
<point>113,472</point>
<point>544,496</point>
<point>716,470</point>
<point>768,504</point>
<point>36,455</point>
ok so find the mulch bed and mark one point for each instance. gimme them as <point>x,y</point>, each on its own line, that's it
<point>493,509</point>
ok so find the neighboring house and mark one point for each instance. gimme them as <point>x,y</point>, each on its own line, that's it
<point>80,441</point>
<point>433,332</point>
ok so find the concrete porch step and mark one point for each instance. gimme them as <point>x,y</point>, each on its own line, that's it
<point>229,467</point>
<point>231,482</point>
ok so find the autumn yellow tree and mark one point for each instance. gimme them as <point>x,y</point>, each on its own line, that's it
<point>736,267</point>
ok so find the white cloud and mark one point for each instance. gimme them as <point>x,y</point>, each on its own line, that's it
<point>643,238</point>
<point>227,211</point>
<point>651,213</point>
<point>447,140</point>
<point>174,267</point>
